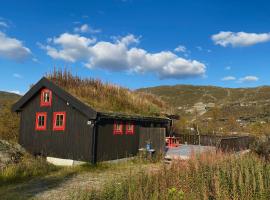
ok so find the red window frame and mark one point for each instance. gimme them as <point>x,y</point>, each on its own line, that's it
<point>44,127</point>
<point>129,131</point>
<point>59,128</point>
<point>117,131</point>
<point>42,102</point>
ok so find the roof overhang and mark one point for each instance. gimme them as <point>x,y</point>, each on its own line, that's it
<point>45,83</point>
<point>121,116</point>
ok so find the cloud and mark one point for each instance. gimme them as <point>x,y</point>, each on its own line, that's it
<point>248,79</point>
<point>180,48</point>
<point>121,55</point>
<point>239,39</point>
<point>73,47</point>
<point>199,48</point>
<point>86,29</point>
<point>16,75</point>
<point>228,78</point>
<point>12,48</point>
<point>3,24</point>
<point>228,68</point>
<point>13,91</point>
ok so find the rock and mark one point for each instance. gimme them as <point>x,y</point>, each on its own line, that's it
<point>9,153</point>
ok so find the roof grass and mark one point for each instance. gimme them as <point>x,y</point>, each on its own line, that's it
<point>106,97</point>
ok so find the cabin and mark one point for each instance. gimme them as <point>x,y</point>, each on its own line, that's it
<point>54,123</point>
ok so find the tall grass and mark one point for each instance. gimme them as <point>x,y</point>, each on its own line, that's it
<point>205,177</point>
<point>27,168</point>
<point>107,97</point>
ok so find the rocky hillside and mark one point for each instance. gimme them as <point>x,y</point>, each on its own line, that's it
<point>241,107</point>
<point>188,95</point>
<point>9,122</point>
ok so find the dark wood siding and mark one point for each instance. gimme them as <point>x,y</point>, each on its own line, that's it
<point>110,146</point>
<point>156,137</point>
<point>73,143</point>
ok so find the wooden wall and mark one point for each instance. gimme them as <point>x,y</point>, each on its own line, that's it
<point>154,135</point>
<point>110,146</point>
<point>73,143</point>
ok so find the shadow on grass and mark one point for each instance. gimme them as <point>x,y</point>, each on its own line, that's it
<point>31,188</point>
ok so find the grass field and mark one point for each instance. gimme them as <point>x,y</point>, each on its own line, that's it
<point>209,176</point>
<point>206,177</point>
<point>36,179</point>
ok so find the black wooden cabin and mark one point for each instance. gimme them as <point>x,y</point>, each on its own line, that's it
<point>54,123</point>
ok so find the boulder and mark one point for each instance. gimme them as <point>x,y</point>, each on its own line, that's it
<point>10,153</point>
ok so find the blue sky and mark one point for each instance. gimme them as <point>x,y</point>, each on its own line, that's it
<point>136,43</point>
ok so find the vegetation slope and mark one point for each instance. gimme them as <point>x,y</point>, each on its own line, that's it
<point>108,97</point>
<point>9,122</point>
<point>232,109</point>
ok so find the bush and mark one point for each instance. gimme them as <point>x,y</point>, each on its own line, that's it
<point>262,147</point>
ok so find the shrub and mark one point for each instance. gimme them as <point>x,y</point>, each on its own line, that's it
<point>262,147</point>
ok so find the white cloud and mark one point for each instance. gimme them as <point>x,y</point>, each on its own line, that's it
<point>199,48</point>
<point>3,24</point>
<point>121,55</point>
<point>238,39</point>
<point>180,48</point>
<point>16,75</point>
<point>228,78</point>
<point>248,79</point>
<point>86,29</point>
<point>12,48</point>
<point>15,92</point>
<point>228,68</point>
<point>73,47</point>
<point>35,60</point>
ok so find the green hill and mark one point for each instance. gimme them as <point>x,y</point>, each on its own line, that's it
<point>231,109</point>
<point>188,95</point>
<point>9,122</point>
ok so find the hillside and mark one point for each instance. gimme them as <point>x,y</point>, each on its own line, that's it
<point>9,122</point>
<point>8,96</point>
<point>188,95</point>
<point>242,108</point>
<point>107,97</point>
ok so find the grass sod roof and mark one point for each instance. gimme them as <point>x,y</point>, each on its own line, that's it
<point>108,98</point>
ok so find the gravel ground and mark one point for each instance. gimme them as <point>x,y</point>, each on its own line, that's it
<point>60,185</point>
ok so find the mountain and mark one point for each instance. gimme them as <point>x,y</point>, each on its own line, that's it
<point>9,122</point>
<point>188,95</point>
<point>8,96</point>
<point>243,107</point>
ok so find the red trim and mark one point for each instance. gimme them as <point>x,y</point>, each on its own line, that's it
<point>59,128</point>
<point>129,131</point>
<point>41,128</point>
<point>117,131</point>
<point>42,103</point>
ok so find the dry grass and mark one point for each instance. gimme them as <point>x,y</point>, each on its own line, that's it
<point>206,177</point>
<point>108,97</point>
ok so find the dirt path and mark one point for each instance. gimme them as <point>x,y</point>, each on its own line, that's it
<point>60,185</point>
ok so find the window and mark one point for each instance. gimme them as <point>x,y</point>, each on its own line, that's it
<point>59,121</point>
<point>46,97</point>
<point>129,128</point>
<point>41,121</point>
<point>118,128</point>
